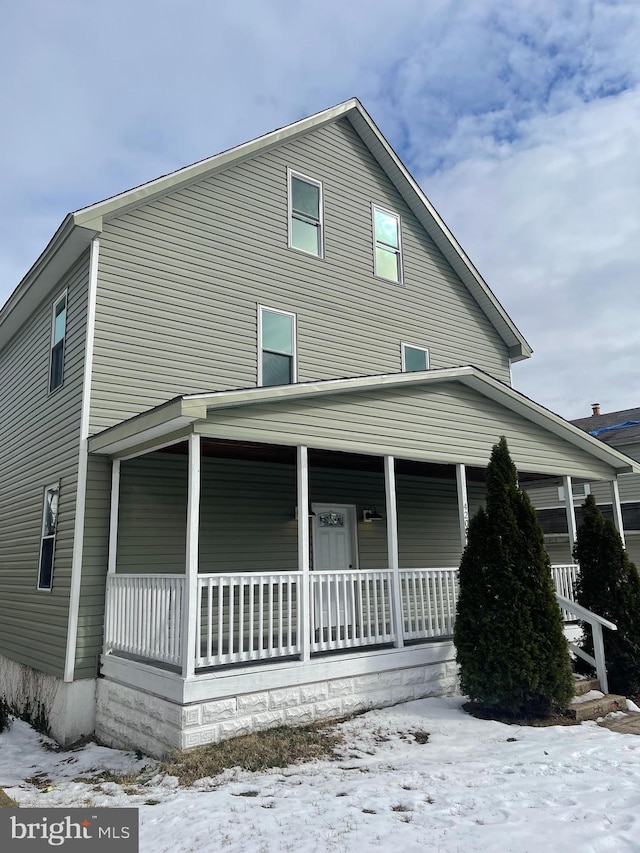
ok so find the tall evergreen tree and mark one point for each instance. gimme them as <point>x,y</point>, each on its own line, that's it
<point>511,649</point>
<point>609,585</point>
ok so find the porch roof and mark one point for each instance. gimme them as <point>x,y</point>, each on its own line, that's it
<point>447,415</point>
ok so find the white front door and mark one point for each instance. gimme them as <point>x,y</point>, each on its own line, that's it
<point>334,550</point>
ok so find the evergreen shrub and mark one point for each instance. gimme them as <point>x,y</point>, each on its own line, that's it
<point>511,649</point>
<point>609,585</point>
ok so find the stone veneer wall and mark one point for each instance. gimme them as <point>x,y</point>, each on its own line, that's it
<point>130,718</point>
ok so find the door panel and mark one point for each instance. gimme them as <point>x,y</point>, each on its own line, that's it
<point>334,547</point>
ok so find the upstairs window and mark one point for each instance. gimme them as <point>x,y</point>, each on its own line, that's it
<point>305,214</point>
<point>414,358</point>
<point>388,248</point>
<point>58,330</point>
<point>48,537</point>
<point>277,347</point>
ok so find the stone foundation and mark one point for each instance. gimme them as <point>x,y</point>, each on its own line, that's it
<point>67,709</point>
<point>131,718</point>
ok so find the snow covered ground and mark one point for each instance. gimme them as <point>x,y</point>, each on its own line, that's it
<point>472,786</point>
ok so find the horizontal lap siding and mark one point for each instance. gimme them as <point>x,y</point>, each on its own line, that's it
<point>247,516</point>
<point>39,441</point>
<point>445,423</point>
<point>628,485</point>
<point>180,278</point>
<point>94,567</point>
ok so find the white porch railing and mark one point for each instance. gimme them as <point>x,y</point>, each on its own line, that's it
<point>564,579</point>
<point>255,616</point>
<point>143,616</point>
<point>429,600</point>
<point>247,617</point>
<point>597,624</point>
<point>350,608</point>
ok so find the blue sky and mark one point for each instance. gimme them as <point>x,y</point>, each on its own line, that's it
<point>521,121</point>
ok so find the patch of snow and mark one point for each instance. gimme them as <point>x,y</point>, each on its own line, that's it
<point>631,706</point>
<point>474,785</point>
<point>586,697</point>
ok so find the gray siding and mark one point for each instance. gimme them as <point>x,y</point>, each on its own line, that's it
<point>560,552</point>
<point>180,279</point>
<point>247,515</point>
<point>39,436</point>
<point>448,422</point>
<point>94,567</point>
<point>629,486</point>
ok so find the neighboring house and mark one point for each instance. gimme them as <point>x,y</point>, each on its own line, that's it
<point>247,408</point>
<point>615,429</point>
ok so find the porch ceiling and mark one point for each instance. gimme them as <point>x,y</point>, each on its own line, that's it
<point>286,455</point>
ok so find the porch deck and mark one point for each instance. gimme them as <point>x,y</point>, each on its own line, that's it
<point>259,616</point>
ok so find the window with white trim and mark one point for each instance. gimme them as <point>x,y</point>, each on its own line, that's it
<point>48,536</point>
<point>276,347</point>
<point>414,358</point>
<point>579,491</point>
<point>305,214</point>
<point>58,332</point>
<point>388,245</point>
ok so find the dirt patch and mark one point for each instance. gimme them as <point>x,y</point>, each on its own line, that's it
<point>482,713</point>
<point>6,802</point>
<point>277,747</point>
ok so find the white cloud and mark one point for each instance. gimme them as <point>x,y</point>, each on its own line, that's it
<point>553,225</point>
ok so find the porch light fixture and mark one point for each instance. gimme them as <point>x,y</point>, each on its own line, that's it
<point>370,514</point>
<point>311,513</point>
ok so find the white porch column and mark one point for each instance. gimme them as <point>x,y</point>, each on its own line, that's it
<point>392,547</point>
<point>570,510</point>
<point>113,516</point>
<point>463,503</point>
<point>617,510</point>
<point>190,601</point>
<point>304,618</point>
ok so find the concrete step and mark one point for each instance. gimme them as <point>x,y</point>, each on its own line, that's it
<point>599,706</point>
<point>584,685</point>
<point>628,725</point>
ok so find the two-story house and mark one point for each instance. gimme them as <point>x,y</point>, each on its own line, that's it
<point>247,408</point>
<point>560,515</point>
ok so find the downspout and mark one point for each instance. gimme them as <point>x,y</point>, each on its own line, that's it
<point>81,492</point>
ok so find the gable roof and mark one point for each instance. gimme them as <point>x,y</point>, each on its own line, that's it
<point>77,229</point>
<point>180,412</point>
<point>613,428</point>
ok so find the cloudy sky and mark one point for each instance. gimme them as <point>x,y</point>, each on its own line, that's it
<point>519,118</point>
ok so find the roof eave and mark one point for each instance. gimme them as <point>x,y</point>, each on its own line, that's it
<point>441,235</point>
<point>197,406</point>
<point>94,215</point>
<point>65,247</point>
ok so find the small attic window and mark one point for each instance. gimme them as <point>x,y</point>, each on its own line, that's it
<point>414,358</point>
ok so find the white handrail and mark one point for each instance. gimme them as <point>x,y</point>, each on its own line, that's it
<point>597,624</point>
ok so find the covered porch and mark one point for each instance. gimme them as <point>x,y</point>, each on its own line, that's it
<point>278,544</point>
<point>266,581</point>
